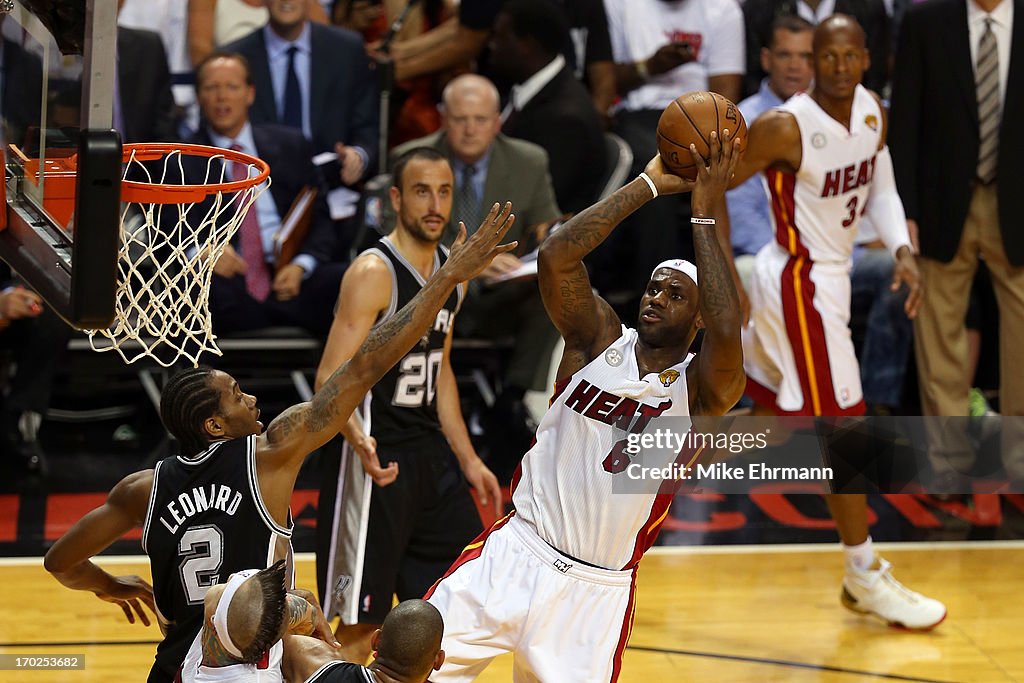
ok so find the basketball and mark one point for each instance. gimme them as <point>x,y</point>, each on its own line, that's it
<point>690,119</point>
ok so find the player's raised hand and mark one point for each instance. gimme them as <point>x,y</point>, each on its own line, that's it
<point>128,592</point>
<point>664,180</point>
<point>469,257</point>
<point>321,627</point>
<point>905,272</point>
<point>714,174</point>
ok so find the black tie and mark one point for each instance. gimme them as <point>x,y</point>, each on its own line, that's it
<point>292,94</point>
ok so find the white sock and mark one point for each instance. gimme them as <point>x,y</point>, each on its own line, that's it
<point>859,557</point>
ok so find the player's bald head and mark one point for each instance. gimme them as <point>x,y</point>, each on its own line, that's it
<point>838,27</point>
<point>410,639</point>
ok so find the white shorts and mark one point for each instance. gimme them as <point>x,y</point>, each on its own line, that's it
<point>797,349</point>
<point>512,592</point>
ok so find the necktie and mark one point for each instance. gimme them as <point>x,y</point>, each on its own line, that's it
<point>257,275</point>
<point>292,115</point>
<point>468,206</point>
<point>986,79</point>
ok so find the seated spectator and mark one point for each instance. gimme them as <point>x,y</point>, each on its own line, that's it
<point>759,16</point>
<point>249,290</point>
<point>548,106</point>
<point>35,340</point>
<point>213,24</point>
<point>491,167</point>
<point>337,110</point>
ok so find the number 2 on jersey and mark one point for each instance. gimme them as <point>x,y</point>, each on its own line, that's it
<point>417,384</point>
<point>202,548</point>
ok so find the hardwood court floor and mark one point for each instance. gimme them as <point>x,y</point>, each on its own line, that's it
<point>719,614</point>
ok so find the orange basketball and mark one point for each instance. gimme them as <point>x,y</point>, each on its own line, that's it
<point>690,119</point>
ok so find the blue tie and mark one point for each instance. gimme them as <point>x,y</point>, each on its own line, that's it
<point>292,94</point>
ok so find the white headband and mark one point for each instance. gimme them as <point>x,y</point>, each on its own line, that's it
<point>681,265</point>
<point>220,617</point>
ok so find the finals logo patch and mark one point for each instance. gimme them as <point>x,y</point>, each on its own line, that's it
<point>872,122</point>
<point>668,377</point>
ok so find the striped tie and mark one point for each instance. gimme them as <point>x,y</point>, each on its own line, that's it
<point>986,79</point>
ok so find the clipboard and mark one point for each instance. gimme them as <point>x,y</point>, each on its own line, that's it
<point>294,227</point>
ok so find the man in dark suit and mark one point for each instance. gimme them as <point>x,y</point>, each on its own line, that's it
<point>958,100</point>
<point>547,105</point>
<point>249,291</point>
<point>316,78</point>
<point>145,110</point>
<point>760,15</point>
<point>490,167</point>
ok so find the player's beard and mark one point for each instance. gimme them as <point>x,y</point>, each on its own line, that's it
<point>417,230</point>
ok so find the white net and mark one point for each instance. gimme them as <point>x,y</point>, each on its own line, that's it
<point>168,252</point>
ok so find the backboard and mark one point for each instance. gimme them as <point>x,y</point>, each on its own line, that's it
<point>61,228</point>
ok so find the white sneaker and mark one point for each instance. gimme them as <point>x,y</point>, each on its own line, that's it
<point>877,593</point>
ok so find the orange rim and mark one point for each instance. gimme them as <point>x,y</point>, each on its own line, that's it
<point>159,193</point>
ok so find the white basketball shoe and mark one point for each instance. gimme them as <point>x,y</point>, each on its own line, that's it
<point>875,592</point>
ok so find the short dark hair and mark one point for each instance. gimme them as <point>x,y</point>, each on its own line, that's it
<point>427,153</point>
<point>188,399</point>
<point>223,54</point>
<point>273,592</point>
<point>410,638</point>
<point>788,22</point>
<point>541,20</point>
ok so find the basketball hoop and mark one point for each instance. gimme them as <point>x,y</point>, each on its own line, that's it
<point>174,229</point>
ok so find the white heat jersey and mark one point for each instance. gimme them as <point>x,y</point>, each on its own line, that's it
<point>266,671</point>
<point>564,488</point>
<point>815,211</point>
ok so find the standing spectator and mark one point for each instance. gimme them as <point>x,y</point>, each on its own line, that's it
<point>960,77</point>
<point>548,106</point>
<point>662,50</point>
<point>144,109</point>
<point>315,78</point>
<point>215,23</point>
<point>590,50</point>
<point>870,14</point>
<point>168,18</point>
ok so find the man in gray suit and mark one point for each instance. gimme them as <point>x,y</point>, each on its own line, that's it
<point>490,167</point>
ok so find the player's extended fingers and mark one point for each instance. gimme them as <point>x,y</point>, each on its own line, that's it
<point>506,225</point>
<point>143,617</point>
<point>701,164</point>
<point>715,148</point>
<point>504,248</point>
<point>492,215</point>
<point>127,611</point>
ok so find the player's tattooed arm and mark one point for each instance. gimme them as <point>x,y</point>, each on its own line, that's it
<point>585,320</point>
<point>716,379</point>
<point>300,616</point>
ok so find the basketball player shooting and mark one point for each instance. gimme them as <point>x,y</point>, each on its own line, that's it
<point>222,506</point>
<point>554,581</point>
<point>826,163</point>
